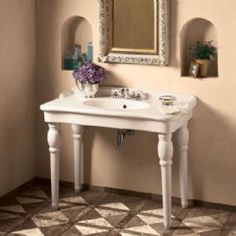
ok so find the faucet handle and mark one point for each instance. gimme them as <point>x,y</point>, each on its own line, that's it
<point>122,92</point>
<point>139,95</point>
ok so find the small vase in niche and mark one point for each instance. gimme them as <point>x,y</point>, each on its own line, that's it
<point>204,65</point>
<point>68,61</point>
<point>90,51</point>
<point>88,77</point>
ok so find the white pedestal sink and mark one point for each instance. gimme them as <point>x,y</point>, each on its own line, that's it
<point>105,111</point>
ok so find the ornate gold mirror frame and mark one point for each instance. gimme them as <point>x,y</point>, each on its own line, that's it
<point>161,58</point>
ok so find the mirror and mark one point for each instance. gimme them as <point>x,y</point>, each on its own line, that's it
<point>139,33</point>
<point>134,31</point>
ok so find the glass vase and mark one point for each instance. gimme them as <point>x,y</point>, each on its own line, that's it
<point>88,90</point>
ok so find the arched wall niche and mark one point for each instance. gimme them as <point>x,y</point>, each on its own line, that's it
<point>75,30</point>
<point>195,30</point>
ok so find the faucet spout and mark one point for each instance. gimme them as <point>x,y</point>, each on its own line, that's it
<point>128,94</point>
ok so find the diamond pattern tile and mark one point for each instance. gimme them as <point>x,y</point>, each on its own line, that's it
<point>76,199</point>
<point>116,205</point>
<point>93,213</point>
<point>36,193</point>
<point>50,219</point>
<point>112,216</point>
<point>96,222</point>
<point>7,216</point>
<point>27,200</point>
<point>29,232</point>
<point>86,230</point>
<point>150,219</point>
<point>14,209</point>
<point>145,229</point>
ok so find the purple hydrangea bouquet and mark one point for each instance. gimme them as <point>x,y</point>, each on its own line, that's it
<point>87,78</point>
<point>89,73</point>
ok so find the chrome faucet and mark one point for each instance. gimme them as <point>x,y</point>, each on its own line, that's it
<point>127,94</point>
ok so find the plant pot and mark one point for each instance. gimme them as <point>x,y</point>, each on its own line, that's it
<point>88,90</point>
<point>203,69</point>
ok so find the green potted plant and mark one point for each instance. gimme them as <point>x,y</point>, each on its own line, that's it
<point>203,52</point>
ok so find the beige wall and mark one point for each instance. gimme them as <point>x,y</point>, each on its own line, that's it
<point>17,96</point>
<point>212,162</point>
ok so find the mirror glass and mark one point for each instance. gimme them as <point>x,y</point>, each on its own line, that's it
<point>138,33</point>
<point>134,31</point>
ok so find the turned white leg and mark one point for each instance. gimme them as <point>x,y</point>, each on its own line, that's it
<point>78,155</point>
<point>183,141</point>
<point>54,149</point>
<point>165,151</point>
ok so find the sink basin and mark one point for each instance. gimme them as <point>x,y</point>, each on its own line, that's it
<point>117,104</point>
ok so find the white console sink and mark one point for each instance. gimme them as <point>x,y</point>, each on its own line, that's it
<point>116,104</point>
<point>148,114</point>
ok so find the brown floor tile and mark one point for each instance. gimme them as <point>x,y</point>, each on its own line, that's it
<point>214,232</point>
<point>232,233</point>
<point>11,200</point>
<point>74,212</point>
<point>231,221</point>
<point>93,198</point>
<point>129,202</point>
<point>26,225</point>
<point>29,212</point>
<point>35,193</point>
<point>55,230</point>
<point>83,230</point>
<point>8,225</point>
<point>27,232</point>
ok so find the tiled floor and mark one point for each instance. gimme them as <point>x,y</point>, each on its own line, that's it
<point>99,213</point>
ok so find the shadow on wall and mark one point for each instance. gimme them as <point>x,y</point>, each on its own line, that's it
<point>206,166</point>
<point>121,168</point>
<point>112,79</point>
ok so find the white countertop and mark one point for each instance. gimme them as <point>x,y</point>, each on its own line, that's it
<point>72,102</point>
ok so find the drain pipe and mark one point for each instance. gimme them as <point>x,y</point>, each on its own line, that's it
<point>121,133</point>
